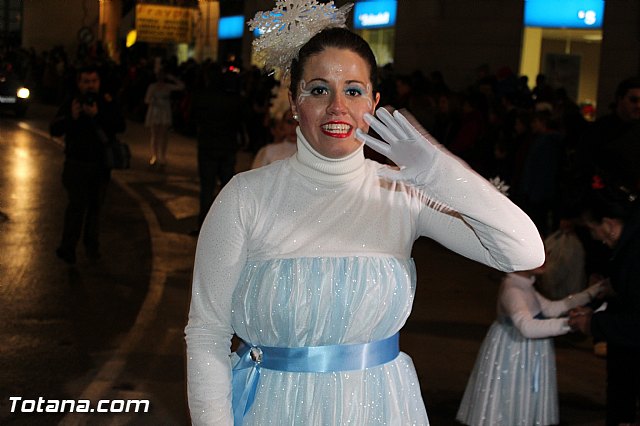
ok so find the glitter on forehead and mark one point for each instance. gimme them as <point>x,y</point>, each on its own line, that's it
<point>336,69</point>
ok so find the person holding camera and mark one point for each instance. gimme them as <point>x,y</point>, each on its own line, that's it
<point>89,120</point>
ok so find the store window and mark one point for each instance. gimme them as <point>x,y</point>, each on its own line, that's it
<point>561,41</point>
<point>374,20</point>
<point>382,43</point>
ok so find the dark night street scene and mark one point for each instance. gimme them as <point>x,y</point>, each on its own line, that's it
<point>122,120</point>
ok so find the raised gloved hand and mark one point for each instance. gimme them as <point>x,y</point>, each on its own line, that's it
<point>414,152</point>
<point>496,232</point>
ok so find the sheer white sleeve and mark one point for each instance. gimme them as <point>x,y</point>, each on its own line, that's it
<point>220,255</point>
<point>469,216</point>
<point>520,305</point>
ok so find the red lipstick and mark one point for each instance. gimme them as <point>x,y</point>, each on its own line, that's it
<point>337,129</point>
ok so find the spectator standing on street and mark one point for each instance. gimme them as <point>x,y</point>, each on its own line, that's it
<point>217,110</point>
<point>602,138</point>
<point>608,147</point>
<point>612,215</point>
<point>160,114</point>
<point>88,120</point>
<point>472,127</point>
<point>537,188</point>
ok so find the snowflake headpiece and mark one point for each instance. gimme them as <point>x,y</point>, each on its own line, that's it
<point>288,26</point>
<point>500,185</point>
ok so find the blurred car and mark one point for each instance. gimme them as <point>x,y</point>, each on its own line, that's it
<point>14,95</point>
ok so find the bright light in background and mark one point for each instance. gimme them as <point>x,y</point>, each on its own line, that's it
<point>22,166</point>
<point>589,17</point>
<point>22,201</point>
<point>564,13</point>
<point>230,27</point>
<point>132,36</point>
<point>375,14</point>
<point>23,93</point>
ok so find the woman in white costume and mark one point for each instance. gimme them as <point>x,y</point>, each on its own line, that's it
<point>159,115</point>
<point>513,381</point>
<point>307,260</point>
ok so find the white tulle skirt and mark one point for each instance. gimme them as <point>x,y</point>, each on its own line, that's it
<point>513,381</point>
<point>158,116</point>
<point>329,300</point>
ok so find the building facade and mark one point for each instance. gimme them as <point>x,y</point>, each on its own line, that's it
<point>454,37</point>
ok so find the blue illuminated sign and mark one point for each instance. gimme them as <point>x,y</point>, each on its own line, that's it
<point>230,27</point>
<point>564,13</point>
<point>374,14</point>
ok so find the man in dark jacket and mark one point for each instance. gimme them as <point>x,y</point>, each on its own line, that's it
<point>617,224</point>
<point>217,108</point>
<point>88,120</point>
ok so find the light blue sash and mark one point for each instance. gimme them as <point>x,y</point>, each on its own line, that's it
<point>310,359</point>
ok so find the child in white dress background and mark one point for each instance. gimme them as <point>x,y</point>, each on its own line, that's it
<point>513,380</point>
<point>159,114</point>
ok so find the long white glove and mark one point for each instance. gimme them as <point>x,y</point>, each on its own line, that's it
<point>510,241</point>
<point>405,145</point>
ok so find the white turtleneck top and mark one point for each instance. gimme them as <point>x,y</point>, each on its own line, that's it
<point>312,251</point>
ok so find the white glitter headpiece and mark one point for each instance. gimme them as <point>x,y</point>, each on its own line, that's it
<point>288,26</point>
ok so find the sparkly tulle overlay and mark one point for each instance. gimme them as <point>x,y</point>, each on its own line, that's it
<point>513,381</point>
<point>326,301</point>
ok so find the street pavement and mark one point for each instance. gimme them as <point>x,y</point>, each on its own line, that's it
<point>113,329</point>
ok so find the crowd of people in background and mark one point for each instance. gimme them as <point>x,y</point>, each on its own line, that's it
<point>536,140</point>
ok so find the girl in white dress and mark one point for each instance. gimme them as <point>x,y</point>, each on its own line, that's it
<point>159,114</point>
<point>308,260</point>
<point>283,147</point>
<point>513,381</point>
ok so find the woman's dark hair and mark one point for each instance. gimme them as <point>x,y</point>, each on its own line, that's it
<point>340,38</point>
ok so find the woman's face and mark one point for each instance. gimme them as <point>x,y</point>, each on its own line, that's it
<point>334,94</point>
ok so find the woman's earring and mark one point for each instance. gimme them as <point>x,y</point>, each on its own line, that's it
<point>296,117</point>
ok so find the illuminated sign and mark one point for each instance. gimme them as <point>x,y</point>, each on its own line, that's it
<point>230,27</point>
<point>564,13</point>
<point>375,14</point>
<point>163,24</point>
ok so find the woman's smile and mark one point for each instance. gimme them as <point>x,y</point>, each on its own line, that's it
<point>337,129</point>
